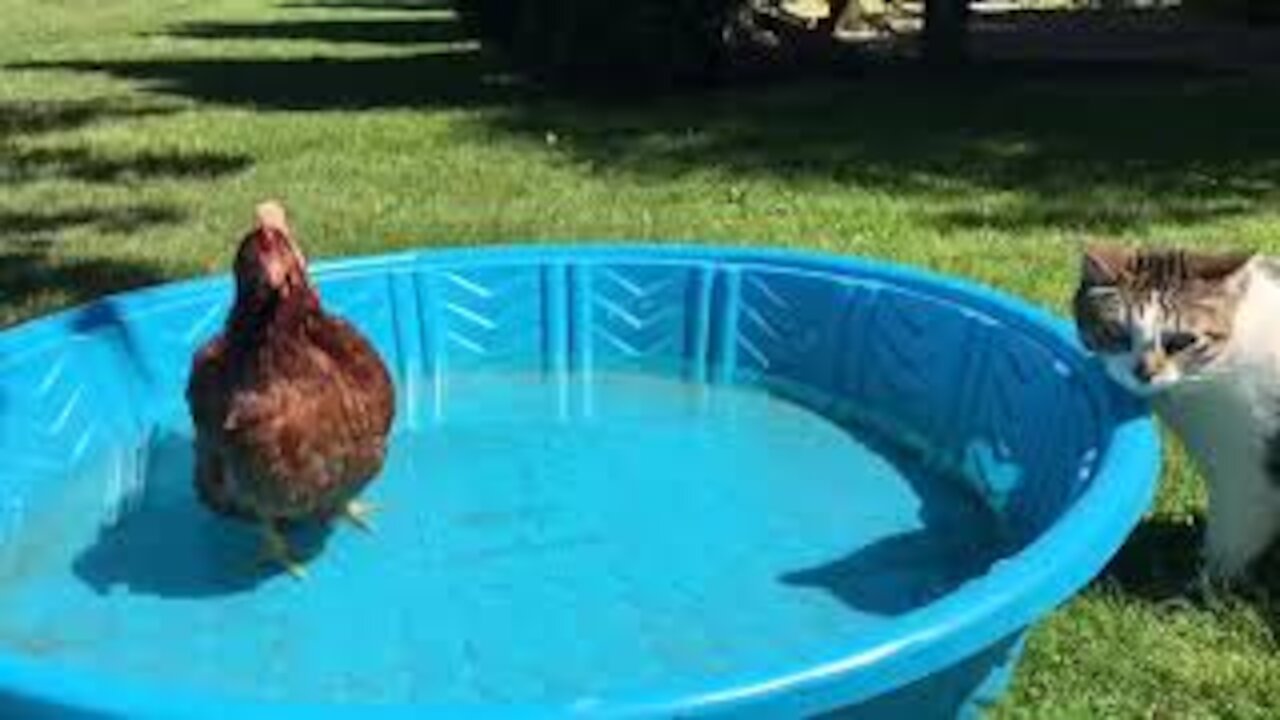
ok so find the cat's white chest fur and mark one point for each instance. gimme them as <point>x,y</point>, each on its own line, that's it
<point>1222,426</point>
<point>1227,420</point>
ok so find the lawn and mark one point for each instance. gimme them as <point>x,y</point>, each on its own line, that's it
<point>136,135</point>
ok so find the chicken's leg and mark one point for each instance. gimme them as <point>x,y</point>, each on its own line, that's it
<point>275,549</point>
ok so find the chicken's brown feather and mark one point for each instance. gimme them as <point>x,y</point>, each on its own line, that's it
<point>313,434</point>
<point>291,405</point>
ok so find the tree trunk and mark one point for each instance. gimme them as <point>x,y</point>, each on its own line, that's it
<point>945,31</point>
<point>828,26</point>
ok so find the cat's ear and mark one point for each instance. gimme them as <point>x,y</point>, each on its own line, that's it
<point>1217,267</point>
<point>1103,264</point>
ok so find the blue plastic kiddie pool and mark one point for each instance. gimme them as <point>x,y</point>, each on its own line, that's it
<point>625,481</point>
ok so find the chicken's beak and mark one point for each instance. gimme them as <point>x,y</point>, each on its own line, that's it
<point>284,266</point>
<point>275,272</point>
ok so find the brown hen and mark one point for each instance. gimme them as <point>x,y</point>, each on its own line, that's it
<point>291,405</point>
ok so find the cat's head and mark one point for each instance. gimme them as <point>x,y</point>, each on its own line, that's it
<point>1158,317</point>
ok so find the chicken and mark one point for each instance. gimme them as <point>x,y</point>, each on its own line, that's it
<point>291,405</point>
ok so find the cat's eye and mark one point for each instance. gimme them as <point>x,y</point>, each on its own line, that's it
<point>1112,335</point>
<point>1176,342</point>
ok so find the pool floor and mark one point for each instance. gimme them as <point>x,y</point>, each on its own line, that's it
<point>541,541</point>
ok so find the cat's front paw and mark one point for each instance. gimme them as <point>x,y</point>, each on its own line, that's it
<point>1202,591</point>
<point>1232,548</point>
<point>1212,588</point>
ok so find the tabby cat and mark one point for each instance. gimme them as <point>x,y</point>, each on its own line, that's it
<point>1199,334</point>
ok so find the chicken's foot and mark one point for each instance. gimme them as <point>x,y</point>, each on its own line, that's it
<point>358,512</point>
<point>275,549</point>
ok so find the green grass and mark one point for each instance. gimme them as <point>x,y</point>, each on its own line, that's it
<point>135,137</point>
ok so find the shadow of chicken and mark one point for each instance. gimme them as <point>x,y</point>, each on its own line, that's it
<point>291,405</point>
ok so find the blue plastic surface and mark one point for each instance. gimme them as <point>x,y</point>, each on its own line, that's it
<point>625,481</point>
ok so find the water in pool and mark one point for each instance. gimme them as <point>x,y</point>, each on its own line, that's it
<point>535,541</point>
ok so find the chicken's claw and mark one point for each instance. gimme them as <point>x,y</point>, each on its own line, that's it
<point>275,549</point>
<point>358,512</point>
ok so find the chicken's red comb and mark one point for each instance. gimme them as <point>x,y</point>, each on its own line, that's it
<point>270,214</point>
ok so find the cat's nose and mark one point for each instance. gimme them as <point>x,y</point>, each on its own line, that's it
<point>1149,365</point>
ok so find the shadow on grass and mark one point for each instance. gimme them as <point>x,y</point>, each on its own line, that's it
<point>77,163</point>
<point>28,273</point>
<point>448,78</point>
<point>32,273</point>
<point>369,5</point>
<point>331,31</point>
<point>1161,561</point>
<point>1099,151</point>
<point>1104,152</point>
<point>21,163</point>
<point>35,227</point>
<point>1158,562</point>
<point>1076,145</point>
<point>40,117</point>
